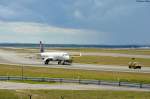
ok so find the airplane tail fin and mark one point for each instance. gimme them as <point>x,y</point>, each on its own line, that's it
<point>41,47</point>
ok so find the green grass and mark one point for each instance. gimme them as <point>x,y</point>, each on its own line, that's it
<point>8,70</point>
<point>122,51</point>
<point>72,94</point>
<point>103,50</point>
<point>31,82</point>
<point>8,94</point>
<point>108,60</point>
<point>22,50</point>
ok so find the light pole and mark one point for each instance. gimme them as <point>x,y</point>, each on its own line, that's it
<point>30,96</point>
<point>22,72</point>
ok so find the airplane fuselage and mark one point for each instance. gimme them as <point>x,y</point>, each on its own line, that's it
<point>55,56</point>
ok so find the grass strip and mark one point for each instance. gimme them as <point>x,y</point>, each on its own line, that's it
<point>12,70</point>
<point>109,60</point>
<point>72,94</point>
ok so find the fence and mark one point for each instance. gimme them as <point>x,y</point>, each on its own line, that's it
<point>80,81</point>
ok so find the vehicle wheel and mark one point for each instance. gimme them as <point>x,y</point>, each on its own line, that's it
<point>139,67</point>
<point>64,62</point>
<point>59,62</point>
<point>46,62</point>
<point>130,67</point>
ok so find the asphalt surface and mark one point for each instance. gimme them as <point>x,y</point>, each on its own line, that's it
<point>64,86</point>
<point>11,57</point>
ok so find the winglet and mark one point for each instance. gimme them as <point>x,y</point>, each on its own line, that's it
<point>80,54</point>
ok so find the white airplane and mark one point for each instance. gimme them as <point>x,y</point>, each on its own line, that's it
<point>62,57</point>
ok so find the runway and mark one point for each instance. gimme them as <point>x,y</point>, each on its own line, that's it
<point>13,58</point>
<point>88,67</point>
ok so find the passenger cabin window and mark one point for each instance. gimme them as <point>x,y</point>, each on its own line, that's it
<point>65,54</point>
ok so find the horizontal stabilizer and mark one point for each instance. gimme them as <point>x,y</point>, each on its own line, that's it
<point>77,55</point>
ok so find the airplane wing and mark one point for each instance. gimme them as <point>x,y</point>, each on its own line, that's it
<point>76,55</point>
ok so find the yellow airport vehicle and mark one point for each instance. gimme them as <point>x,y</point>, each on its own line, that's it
<point>134,65</point>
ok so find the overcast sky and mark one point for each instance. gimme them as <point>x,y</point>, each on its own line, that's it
<point>75,21</point>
